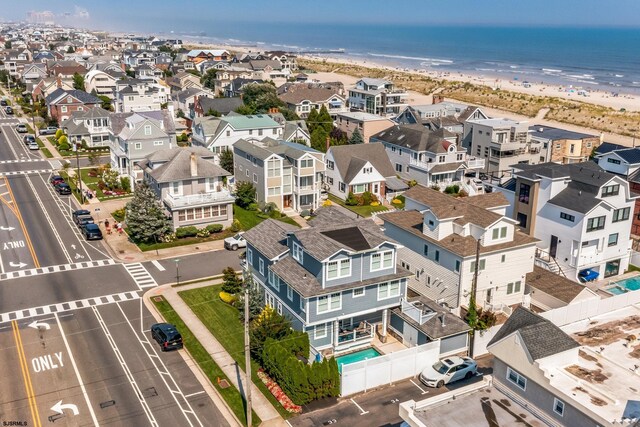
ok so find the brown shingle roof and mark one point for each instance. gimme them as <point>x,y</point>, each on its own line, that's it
<point>297,93</point>
<point>557,286</point>
<point>489,200</point>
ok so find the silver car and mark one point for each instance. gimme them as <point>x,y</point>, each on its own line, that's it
<point>448,370</point>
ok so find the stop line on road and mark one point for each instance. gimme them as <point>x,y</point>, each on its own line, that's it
<point>55,269</point>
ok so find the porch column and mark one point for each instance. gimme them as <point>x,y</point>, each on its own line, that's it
<point>383,331</point>
<point>336,333</point>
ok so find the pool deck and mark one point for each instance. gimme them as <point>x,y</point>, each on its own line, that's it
<point>600,286</point>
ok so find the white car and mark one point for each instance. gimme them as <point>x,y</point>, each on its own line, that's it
<point>448,370</point>
<point>235,242</point>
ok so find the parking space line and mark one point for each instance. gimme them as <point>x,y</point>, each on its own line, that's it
<point>75,369</point>
<point>419,388</point>
<point>194,394</point>
<point>362,411</point>
<point>158,265</point>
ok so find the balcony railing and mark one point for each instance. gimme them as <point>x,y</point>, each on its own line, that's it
<point>475,163</point>
<point>417,312</point>
<point>198,199</point>
<point>363,332</point>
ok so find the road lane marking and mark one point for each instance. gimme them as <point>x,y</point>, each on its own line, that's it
<point>56,268</point>
<point>419,388</point>
<point>29,172</point>
<point>158,265</point>
<point>75,369</point>
<point>26,376</point>
<point>194,394</point>
<point>362,411</point>
<point>23,226</point>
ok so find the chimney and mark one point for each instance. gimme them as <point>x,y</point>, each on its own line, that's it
<point>442,320</point>
<point>194,165</point>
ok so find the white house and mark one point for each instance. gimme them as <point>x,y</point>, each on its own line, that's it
<point>103,83</point>
<point>220,133</point>
<point>377,96</point>
<point>139,95</point>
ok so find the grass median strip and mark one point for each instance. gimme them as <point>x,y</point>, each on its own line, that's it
<point>230,394</point>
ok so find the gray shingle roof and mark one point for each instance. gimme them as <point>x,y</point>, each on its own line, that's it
<point>551,133</point>
<point>82,96</point>
<point>221,105</point>
<point>345,155</point>
<point>177,165</point>
<point>433,328</point>
<point>553,284</point>
<point>629,155</point>
<point>416,137</point>
<point>541,337</point>
<point>270,237</point>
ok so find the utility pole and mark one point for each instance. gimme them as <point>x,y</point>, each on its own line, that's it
<point>75,145</point>
<point>474,289</point>
<point>247,354</point>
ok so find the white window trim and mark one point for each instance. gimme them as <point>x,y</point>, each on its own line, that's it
<point>382,254</point>
<point>555,404</point>
<point>353,293</point>
<point>289,293</point>
<point>301,303</point>
<point>339,270</point>
<point>298,253</point>
<point>518,375</point>
<point>249,256</point>
<point>329,300</point>
<point>388,287</point>
<point>315,331</point>
<point>261,266</point>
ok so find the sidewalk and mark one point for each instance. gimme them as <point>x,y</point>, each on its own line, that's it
<point>270,417</point>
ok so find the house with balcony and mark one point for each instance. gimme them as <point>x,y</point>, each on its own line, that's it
<point>358,168</point>
<point>304,97</point>
<point>92,126</point>
<point>220,133</point>
<point>503,142</point>
<point>102,82</point>
<point>580,214</point>
<point>565,146</point>
<point>336,281</point>
<point>285,173</point>
<point>139,95</point>
<point>377,96</point>
<point>191,187</point>
<point>441,237</point>
<point>62,103</point>
<point>133,136</point>
<point>432,158</point>
<point>367,124</point>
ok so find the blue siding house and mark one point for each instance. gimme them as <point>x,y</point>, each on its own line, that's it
<point>337,280</point>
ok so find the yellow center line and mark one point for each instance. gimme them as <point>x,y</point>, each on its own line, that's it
<point>26,376</point>
<point>24,228</point>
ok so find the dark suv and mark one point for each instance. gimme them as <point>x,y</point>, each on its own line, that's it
<point>63,189</point>
<point>167,336</point>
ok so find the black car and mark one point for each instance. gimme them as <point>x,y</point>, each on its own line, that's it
<point>92,231</point>
<point>3,103</point>
<point>8,110</point>
<point>63,188</point>
<point>77,215</point>
<point>28,139</point>
<point>167,336</point>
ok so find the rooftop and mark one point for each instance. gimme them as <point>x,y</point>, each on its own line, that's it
<point>362,116</point>
<point>498,122</point>
<point>548,132</point>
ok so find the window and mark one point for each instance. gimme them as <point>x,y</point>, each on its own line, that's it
<point>301,304</point>
<point>358,292</point>
<point>436,256</point>
<point>63,109</point>
<point>389,290</point>
<point>279,308</point>
<point>516,378</point>
<point>621,214</point>
<point>480,267</point>
<point>228,133</point>
<point>596,223</point>
<point>255,177</point>
<point>328,303</point>
<point>339,268</point>
<point>359,188</point>
<point>613,239</point>
<point>261,266</point>
<point>558,406</point>
<point>457,269</point>
<point>459,157</point>
<point>614,161</point>
<point>523,196</point>
<point>514,287</point>
<point>499,233</point>
<point>249,256</point>
<point>330,165</point>
<point>503,258</point>
<point>147,129</point>
<point>297,252</point>
<point>320,331</point>
<point>381,260</point>
<point>273,168</point>
<point>398,167</point>
<point>260,132</point>
<point>175,188</point>
<point>431,223</point>
<point>329,180</point>
<point>273,191</point>
<point>568,217</point>
<point>246,172</point>
<point>306,163</point>
<point>610,190</point>
<point>342,187</point>
<point>442,159</point>
<point>137,146</point>
<point>425,251</point>
<point>156,143</point>
<point>290,293</point>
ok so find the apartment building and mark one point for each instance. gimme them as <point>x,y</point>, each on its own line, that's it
<point>285,173</point>
<point>367,124</point>
<point>564,146</point>
<point>377,96</point>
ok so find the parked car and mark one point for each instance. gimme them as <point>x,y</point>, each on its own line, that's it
<point>167,336</point>
<point>448,370</point>
<point>33,145</point>
<point>56,179</point>
<point>28,139</point>
<point>92,231</point>
<point>49,130</point>
<point>235,242</point>
<point>81,217</point>
<point>63,188</point>
<point>8,110</point>
<point>3,102</point>
<point>21,128</point>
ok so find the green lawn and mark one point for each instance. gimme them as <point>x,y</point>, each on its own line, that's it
<point>222,321</point>
<point>365,211</point>
<point>46,152</point>
<point>144,247</point>
<point>249,219</point>
<point>231,395</point>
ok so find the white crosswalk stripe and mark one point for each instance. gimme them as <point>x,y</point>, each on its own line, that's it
<point>31,172</point>
<point>68,306</point>
<point>56,268</point>
<point>140,275</point>
<point>22,161</point>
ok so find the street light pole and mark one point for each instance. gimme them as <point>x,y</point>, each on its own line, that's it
<point>75,145</point>
<point>177,260</point>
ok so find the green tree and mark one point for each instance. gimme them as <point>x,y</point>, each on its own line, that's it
<point>106,102</point>
<point>324,119</point>
<point>226,160</point>
<point>268,324</point>
<point>356,137</point>
<point>312,120</point>
<point>94,158</point>
<point>145,217</point>
<point>319,139</point>
<point>71,49</point>
<point>208,80</point>
<point>78,81</point>
<point>4,76</point>
<point>7,44</point>
<point>289,114</point>
<point>256,300</point>
<point>212,113</point>
<point>231,282</point>
<point>245,194</point>
<point>245,110</point>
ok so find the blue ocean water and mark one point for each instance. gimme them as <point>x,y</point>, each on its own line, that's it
<point>599,58</point>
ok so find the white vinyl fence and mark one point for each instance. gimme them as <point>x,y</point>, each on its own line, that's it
<point>388,368</point>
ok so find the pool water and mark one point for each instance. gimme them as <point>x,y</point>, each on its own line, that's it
<point>358,356</point>
<point>626,285</point>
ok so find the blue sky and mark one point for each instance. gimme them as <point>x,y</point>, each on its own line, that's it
<point>143,14</point>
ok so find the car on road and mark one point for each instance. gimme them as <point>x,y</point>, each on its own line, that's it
<point>49,130</point>
<point>8,110</point>
<point>21,128</point>
<point>91,231</point>
<point>235,242</point>
<point>63,188</point>
<point>167,336</point>
<point>79,212</point>
<point>33,145</point>
<point>56,179</point>
<point>82,217</point>
<point>28,139</point>
<point>3,102</point>
<point>448,370</point>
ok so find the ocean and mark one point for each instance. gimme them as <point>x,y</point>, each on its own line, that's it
<point>606,59</point>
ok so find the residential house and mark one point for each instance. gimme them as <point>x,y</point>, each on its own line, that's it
<point>442,235</point>
<point>208,105</point>
<point>33,73</point>
<point>191,187</point>
<point>62,103</point>
<point>135,135</point>
<point>220,133</point>
<point>235,87</point>
<point>103,83</point>
<point>199,55</point>
<point>148,72</point>
<point>91,126</point>
<point>224,79</point>
<point>304,97</point>
<point>503,142</point>
<point>139,95</point>
<point>65,69</point>
<point>429,157</point>
<point>296,131</point>
<point>625,161</point>
<point>336,281</point>
<point>184,80</point>
<point>285,173</point>
<point>548,291</point>
<point>441,115</point>
<point>358,168</point>
<point>286,59</point>
<point>377,96</point>
<point>565,146</point>
<point>580,214</point>
<point>163,60</point>
<point>366,123</point>
<point>48,85</point>
<point>185,99</point>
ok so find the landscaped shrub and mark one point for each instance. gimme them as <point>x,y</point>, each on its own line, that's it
<point>214,228</point>
<point>59,134</point>
<point>252,207</point>
<point>235,226</point>
<point>305,213</point>
<point>375,203</point>
<point>63,140</point>
<point>351,200</point>
<point>64,147</point>
<point>189,231</point>
<point>203,232</point>
<point>125,183</point>
<point>118,215</point>
<point>227,298</point>
<point>327,203</point>
<point>275,214</point>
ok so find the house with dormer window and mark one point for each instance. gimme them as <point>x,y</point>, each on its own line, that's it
<point>337,280</point>
<point>220,133</point>
<point>442,235</point>
<point>61,103</point>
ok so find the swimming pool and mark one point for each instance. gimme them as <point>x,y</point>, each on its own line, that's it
<point>626,285</point>
<point>358,356</point>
